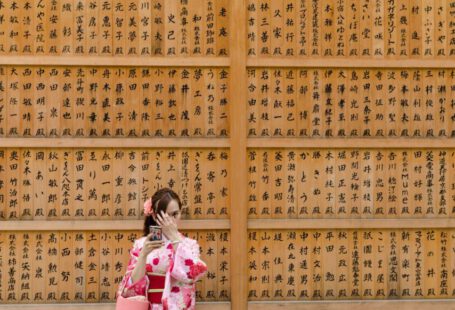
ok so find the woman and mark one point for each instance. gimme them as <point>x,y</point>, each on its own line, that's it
<point>168,268</point>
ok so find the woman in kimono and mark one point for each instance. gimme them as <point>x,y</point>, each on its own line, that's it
<point>164,271</point>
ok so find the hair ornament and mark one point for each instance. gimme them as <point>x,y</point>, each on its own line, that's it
<point>148,208</point>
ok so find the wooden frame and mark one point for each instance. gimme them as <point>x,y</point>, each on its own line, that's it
<point>219,62</point>
<point>347,63</point>
<point>115,143</point>
<point>358,143</point>
<point>112,61</point>
<point>106,306</point>
<point>238,144</point>
<point>355,305</point>
<point>104,225</point>
<point>350,223</point>
<point>313,305</point>
<point>239,262</point>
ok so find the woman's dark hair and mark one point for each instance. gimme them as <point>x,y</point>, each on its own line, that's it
<point>160,201</point>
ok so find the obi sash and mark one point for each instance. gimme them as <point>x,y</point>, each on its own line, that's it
<point>156,287</point>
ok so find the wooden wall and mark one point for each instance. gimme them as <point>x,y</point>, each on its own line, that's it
<point>311,142</point>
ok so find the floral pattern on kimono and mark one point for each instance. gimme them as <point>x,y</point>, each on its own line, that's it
<point>182,267</point>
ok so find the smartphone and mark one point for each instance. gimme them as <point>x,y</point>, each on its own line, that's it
<point>156,233</point>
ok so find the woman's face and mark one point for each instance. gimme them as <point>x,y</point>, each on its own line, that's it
<point>173,211</point>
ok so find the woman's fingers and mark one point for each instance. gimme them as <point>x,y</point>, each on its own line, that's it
<point>169,219</point>
<point>163,217</point>
<point>159,219</point>
<point>149,246</point>
<point>167,223</point>
<point>154,244</point>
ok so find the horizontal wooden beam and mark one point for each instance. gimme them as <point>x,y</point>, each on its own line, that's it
<point>105,306</point>
<point>350,223</point>
<point>115,61</point>
<point>421,304</point>
<point>294,62</point>
<point>223,62</point>
<point>269,224</point>
<point>105,225</point>
<point>356,143</point>
<point>115,143</point>
<point>316,143</point>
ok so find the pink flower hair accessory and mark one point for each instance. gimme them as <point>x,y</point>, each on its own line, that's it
<point>148,208</point>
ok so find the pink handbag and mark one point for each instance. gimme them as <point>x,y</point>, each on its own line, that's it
<point>131,304</point>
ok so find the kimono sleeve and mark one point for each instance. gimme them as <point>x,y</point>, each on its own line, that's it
<point>127,288</point>
<point>188,267</point>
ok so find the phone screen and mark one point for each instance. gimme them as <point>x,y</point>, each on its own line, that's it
<point>156,233</point>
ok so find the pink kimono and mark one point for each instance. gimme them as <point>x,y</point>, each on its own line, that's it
<point>182,268</point>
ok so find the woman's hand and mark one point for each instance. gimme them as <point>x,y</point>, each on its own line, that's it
<point>149,246</point>
<point>168,226</point>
